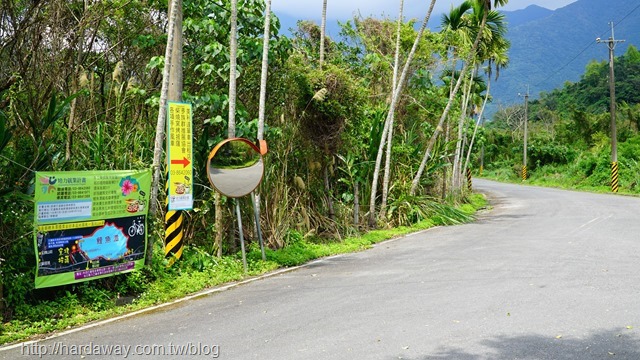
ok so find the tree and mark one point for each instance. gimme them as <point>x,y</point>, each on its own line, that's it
<point>463,23</point>
<point>264,69</point>
<point>263,95</point>
<point>323,26</point>
<point>233,54</point>
<point>162,113</point>
<point>395,98</point>
<point>389,140</point>
<point>496,56</point>
<point>486,5</point>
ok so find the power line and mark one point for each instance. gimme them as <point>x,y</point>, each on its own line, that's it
<point>591,43</point>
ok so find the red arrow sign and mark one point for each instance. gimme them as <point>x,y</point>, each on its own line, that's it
<point>184,162</point>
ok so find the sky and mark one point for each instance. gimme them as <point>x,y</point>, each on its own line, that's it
<point>345,9</point>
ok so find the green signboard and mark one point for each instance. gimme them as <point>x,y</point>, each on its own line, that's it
<point>89,224</point>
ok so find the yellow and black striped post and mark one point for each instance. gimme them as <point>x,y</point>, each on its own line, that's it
<point>524,173</point>
<point>614,177</point>
<point>469,183</point>
<point>173,230</point>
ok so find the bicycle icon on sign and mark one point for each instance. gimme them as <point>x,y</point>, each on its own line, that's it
<point>136,228</point>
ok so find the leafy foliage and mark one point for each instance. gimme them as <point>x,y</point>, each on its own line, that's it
<point>85,97</point>
<point>569,138</point>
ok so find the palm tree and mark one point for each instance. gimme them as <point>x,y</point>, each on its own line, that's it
<point>325,170</point>
<point>494,31</point>
<point>486,5</point>
<point>233,53</point>
<point>323,27</point>
<point>395,98</point>
<point>456,30</point>
<point>497,57</point>
<point>262,106</point>
<point>492,50</point>
<point>265,66</point>
<point>394,83</point>
<point>231,126</point>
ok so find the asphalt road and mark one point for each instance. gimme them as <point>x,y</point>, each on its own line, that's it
<point>545,274</point>
<point>237,182</point>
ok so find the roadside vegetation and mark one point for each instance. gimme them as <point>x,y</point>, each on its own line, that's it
<point>78,304</point>
<point>569,133</point>
<point>370,142</point>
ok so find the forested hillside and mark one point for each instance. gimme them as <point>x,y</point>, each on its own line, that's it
<point>550,50</point>
<point>569,138</point>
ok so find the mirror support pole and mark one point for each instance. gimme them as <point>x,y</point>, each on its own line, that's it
<point>244,253</point>
<point>258,229</point>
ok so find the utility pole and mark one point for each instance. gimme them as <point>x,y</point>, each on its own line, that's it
<point>526,135</point>
<point>482,150</point>
<point>175,9</point>
<point>611,44</point>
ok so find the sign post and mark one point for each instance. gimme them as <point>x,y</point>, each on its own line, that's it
<point>179,177</point>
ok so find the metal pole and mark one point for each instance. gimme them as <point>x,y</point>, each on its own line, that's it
<point>244,253</point>
<point>256,215</point>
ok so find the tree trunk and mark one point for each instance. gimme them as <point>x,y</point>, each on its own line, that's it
<point>356,204</point>
<point>218,223</point>
<point>457,160</point>
<point>323,27</point>
<point>233,53</point>
<point>394,84</point>
<point>263,89</point>
<point>2,305</point>
<point>162,117</point>
<point>478,124</point>
<point>162,113</point>
<point>75,87</point>
<point>327,188</point>
<point>445,113</point>
<point>264,72</point>
<point>394,102</point>
<point>231,126</point>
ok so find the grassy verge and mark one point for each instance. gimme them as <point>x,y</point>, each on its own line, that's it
<point>562,177</point>
<point>82,303</point>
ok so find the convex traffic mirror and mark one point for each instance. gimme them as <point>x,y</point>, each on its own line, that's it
<point>235,167</point>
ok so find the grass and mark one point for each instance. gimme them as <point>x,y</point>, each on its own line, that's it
<point>560,177</point>
<point>196,271</point>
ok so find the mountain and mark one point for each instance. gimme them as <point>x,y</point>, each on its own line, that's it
<point>531,13</point>
<point>547,51</point>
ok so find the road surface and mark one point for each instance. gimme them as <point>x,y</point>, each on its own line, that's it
<point>545,274</point>
<point>237,182</point>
